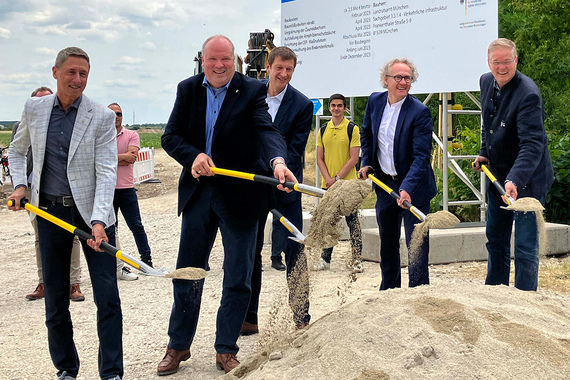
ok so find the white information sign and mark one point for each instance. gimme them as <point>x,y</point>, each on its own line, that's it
<point>341,44</point>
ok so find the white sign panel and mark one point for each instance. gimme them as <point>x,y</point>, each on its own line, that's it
<point>342,44</point>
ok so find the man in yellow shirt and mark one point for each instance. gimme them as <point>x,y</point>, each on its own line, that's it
<point>338,148</point>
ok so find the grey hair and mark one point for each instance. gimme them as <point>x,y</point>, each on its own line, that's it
<point>386,69</point>
<point>502,43</point>
<point>70,52</point>
<point>218,36</point>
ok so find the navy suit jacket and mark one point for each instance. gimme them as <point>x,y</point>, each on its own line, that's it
<point>412,145</point>
<point>294,119</point>
<point>242,134</point>
<point>513,135</point>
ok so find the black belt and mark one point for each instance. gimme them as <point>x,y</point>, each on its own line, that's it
<point>66,201</point>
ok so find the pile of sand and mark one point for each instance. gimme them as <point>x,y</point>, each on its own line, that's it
<point>431,332</point>
<point>341,199</point>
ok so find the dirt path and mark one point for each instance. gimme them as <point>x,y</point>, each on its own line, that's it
<point>147,302</point>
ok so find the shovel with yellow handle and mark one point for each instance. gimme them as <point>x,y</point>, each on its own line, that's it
<point>414,210</point>
<point>128,259</point>
<point>297,235</point>
<point>508,199</point>
<point>300,187</point>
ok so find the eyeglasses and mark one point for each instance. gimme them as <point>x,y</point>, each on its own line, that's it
<point>398,78</point>
<point>119,114</point>
<point>502,63</point>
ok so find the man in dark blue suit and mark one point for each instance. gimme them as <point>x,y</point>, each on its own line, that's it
<point>396,145</point>
<point>515,146</point>
<point>219,119</point>
<point>292,114</point>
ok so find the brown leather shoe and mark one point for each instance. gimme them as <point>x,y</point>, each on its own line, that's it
<point>301,325</point>
<point>227,361</point>
<point>37,294</point>
<point>171,361</point>
<point>75,293</point>
<point>249,329</point>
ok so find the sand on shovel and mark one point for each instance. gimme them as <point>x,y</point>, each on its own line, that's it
<point>439,219</point>
<point>189,273</point>
<point>341,199</point>
<point>529,204</point>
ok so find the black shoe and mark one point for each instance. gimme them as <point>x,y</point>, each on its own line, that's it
<point>148,262</point>
<point>277,263</point>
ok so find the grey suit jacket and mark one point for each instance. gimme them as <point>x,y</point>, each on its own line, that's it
<point>91,162</point>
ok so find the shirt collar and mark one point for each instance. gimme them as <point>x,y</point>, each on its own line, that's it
<point>215,90</point>
<point>396,105</point>
<point>280,95</point>
<point>122,131</point>
<point>74,105</point>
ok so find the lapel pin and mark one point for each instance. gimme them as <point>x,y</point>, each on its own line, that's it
<point>237,91</point>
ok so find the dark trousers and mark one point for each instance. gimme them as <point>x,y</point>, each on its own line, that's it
<point>499,229</point>
<point>389,217</point>
<point>355,239</point>
<point>55,247</point>
<point>126,200</point>
<point>279,238</point>
<point>200,221</point>
<point>296,262</point>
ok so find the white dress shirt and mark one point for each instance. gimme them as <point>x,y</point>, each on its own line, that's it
<point>274,102</point>
<point>386,132</point>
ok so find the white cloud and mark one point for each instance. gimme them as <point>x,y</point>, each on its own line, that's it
<point>121,83</point>
<point>5,33</point>
<point>128,63</point>
<point>30,78</point>
<point>46,51</point>
<point>44,64</point>
<point>149,46</point>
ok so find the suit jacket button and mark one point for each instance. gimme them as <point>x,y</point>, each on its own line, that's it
<point>491,131</point>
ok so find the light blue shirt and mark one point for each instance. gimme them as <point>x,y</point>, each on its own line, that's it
<point>216,98</point>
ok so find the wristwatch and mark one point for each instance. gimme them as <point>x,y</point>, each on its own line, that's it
<point>336,178</point>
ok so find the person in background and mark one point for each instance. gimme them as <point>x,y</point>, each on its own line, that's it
<point>338,148</point>
<point>128,145</point>
<point>75,293</point>
<point>515,146</point>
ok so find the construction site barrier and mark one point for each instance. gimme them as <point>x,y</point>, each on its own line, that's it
<point>144,166</point>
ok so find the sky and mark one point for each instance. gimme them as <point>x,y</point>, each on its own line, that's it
<point>139,49</point>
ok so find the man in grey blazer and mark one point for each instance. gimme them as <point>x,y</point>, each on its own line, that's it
<point>74,175</point>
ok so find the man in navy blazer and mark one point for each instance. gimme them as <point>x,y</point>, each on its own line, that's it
<point>292,114</point>
<point>515,147</point>
<point>219,119</point>
<point>396,145</point>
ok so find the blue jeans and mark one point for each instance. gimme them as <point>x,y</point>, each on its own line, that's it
<point>55,248</point>
<point>126,200</point>
<point>499,228</point>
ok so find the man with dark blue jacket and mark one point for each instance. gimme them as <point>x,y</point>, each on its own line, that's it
<point>515,147</point>
<point>292,114</point>
<point>396,145</point>
<point>219,119</point>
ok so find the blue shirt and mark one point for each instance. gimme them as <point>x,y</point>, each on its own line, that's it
<point>215,97</point>
<point>54,173</point>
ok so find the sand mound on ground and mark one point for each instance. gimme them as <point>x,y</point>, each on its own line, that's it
<point>432,332</point>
